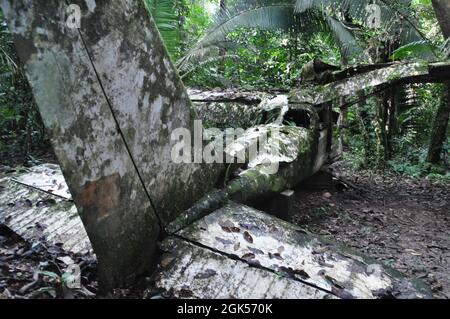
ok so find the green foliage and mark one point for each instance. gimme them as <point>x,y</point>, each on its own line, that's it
<point>20,124</point>
<point>414,49</point>
<point>274,16</point>
<point>422,49</point>
<point>267,43</point>
<point>167,14</point>
<point>196,22</point>
<point>344,22</point>
<point>396,16</point>
<point>264,60</point>
<point>416,109</point>
<point>263,45</point>
<point>180,22</point>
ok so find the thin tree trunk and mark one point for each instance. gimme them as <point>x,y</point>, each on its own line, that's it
<point>342,126</point>
<point>440,125</point>
<point>364,121</point>
<point>387,114</point>
<point>442,9</point>
<point>222,51</point>
<point>439,132</point>
<point>381,118</point>
<point>392,119</point>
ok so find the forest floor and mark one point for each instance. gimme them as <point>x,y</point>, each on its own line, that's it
<point>402,222</point>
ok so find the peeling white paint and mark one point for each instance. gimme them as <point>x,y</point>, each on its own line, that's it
<point>59,218</point>
<point>202,274</point>
<point>273,245</point>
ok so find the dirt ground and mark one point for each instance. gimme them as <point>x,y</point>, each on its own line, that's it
<point>403,223</point>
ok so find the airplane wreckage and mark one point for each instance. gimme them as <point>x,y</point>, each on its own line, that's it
<point>110,98</point>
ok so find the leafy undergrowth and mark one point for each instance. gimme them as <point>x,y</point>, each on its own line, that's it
<point>438,173</point>
<point>414,166</point>
<point>38,270</point>
<point>403,222</point>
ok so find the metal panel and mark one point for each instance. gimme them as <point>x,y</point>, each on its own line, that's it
<point>265,241</point>
<point>34,214</point>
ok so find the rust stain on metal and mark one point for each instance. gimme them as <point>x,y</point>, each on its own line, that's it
<point>102,194</point>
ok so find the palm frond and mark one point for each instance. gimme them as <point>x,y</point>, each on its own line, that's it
<point>337,17</point>
<point>414,49</point>
<point>198,54</point>
<point>422,49</point>
<point>192,67</point>
<point>445,48</point>
<point>268,15</point>
<point>395,17</point>
<point>274,15</point>
<point>345,38</point>
<point>167,20</point>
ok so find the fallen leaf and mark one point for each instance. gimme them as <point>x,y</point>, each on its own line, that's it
<point>66,260</point>
<point>341,293</point>
<point>248,226</point>
<point>302,273</point>
<point>206,274</point>
<point>254,262</point>
<point>248,237</point>
<point>248,256</point>
<point>275,256</point>
<point>186,293</point>
<point>167,261</point>
<point>231,229</point>
<point>226,229</point>
<point>226,224</point>
<point>288,271</point>
<point>23,203</point>
<point>327,195</point>
<point>46,202</point>
<point>224,241</point>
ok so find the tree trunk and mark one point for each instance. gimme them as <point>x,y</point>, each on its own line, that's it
<point>442,9</point>
<point>222,51</point>
<point>439,132</point>
<point>364,123</point>
<point>386,118</point>
<point>342,126</point>
<point>392,118</point>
